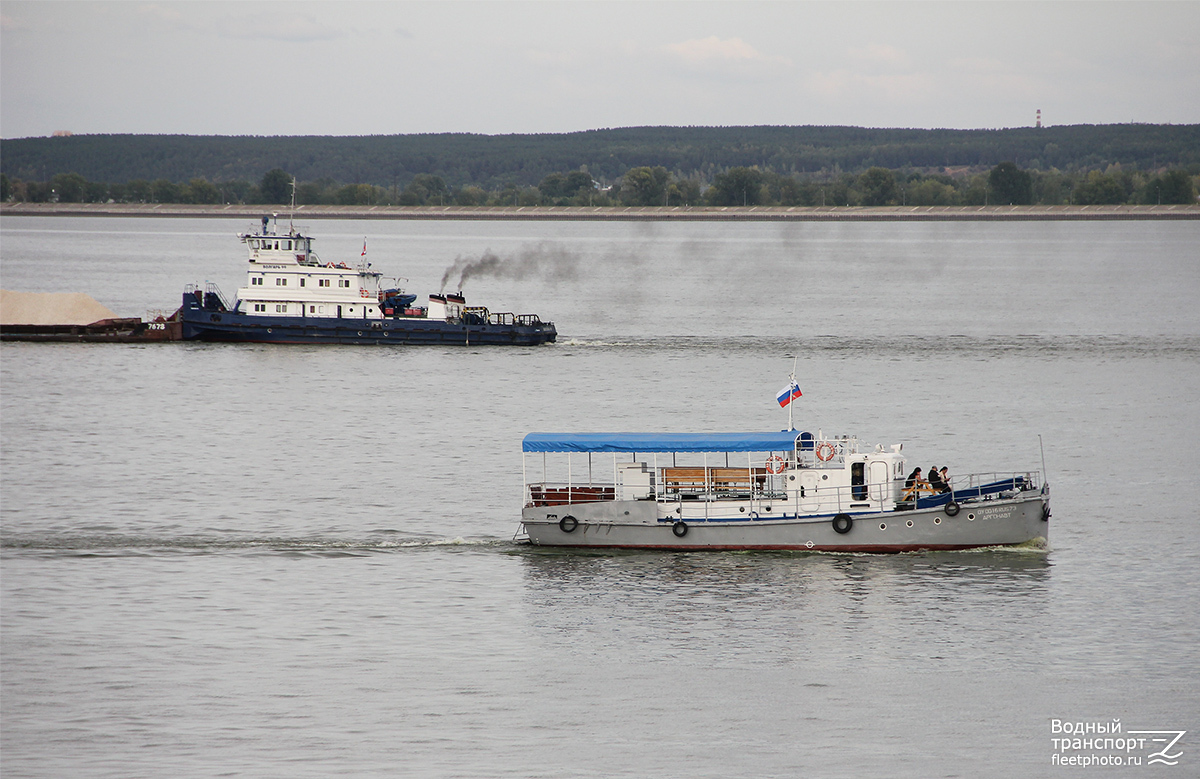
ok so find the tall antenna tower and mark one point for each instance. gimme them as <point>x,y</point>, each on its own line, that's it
<point>1039,118</point>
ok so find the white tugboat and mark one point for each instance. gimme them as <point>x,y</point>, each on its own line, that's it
<point>784,490</point>
<point>291,296</point>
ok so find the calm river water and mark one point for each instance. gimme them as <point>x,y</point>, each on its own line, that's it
<point>266,561</point>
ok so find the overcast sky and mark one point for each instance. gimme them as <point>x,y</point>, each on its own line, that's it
<point>361,68</point>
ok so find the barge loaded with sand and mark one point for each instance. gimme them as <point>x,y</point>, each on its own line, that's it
<point>73,317</point>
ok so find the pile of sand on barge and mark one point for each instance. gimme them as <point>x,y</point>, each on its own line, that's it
<point>51,308</point>
<point>75,316</point>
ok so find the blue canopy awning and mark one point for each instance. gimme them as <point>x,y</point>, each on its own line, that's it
<point>783,441</point>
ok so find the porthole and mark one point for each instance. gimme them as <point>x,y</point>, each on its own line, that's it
<point>882,526</point>
<point>909,523</point>
<point>937,520</point>
<point>268,329</point>
<point>970,517</point>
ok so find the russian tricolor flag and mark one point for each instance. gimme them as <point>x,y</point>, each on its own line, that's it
<point>788,394</point>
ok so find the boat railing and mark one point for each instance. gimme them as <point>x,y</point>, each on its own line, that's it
<point>968,488</point>
<point>213,297</point>
<point>769,495</point>
<point>559,494</point>
<point>528,319</point>
<point>210,299</point>
<point>475,315</point>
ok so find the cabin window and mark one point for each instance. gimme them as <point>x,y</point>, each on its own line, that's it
<point>287,245</point>
<point>254,244</point>
<point>302,282</point>
<point>281,308</point>
<point>312,309</point>
<point>260,306</point>
<point>858,481</point>
<point>322,282</point>
<point>256,281</point>
<point>281,282</point>
<point>343,282</point>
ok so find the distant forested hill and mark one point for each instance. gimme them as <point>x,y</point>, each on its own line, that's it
<point>495,161</point>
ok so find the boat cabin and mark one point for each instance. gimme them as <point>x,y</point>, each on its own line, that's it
<point>285,277</point>
<point>712,476</point>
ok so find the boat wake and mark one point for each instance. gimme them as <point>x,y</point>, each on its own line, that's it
<point>83,545</point>
<point>903,345</point>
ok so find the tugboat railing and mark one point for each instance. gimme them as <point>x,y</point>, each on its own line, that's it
<point>212,289</point>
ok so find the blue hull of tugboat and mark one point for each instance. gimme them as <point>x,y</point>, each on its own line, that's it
<point>204,324</point>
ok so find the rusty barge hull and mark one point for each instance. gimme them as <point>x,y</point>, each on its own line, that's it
<point>118,331</point>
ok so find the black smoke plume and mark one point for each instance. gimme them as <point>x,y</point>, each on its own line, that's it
<point>551,263</point>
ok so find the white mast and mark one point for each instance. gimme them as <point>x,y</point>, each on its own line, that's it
<point>292,213</point>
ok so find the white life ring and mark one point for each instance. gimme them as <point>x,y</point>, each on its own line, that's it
<point>825,451</point>
<point>775,464</point>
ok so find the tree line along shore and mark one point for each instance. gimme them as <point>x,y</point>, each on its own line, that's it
<point>617,213</point>
<point>1003,184</point>
<point>804,166</point>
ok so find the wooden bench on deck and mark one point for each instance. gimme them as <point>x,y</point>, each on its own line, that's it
<point>718,478</point>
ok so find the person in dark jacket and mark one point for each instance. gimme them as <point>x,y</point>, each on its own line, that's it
<point>913,483</point>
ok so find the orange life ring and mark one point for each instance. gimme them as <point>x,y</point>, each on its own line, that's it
<point>775,464</point>
<point>825,451</point>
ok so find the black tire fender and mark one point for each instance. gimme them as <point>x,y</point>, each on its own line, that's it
<point>843,523</point>
<point>952,509</point>
<point>680,529</point>
<point>568,524</point>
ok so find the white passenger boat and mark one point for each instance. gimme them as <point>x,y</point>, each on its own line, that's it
<point>783,490</point>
